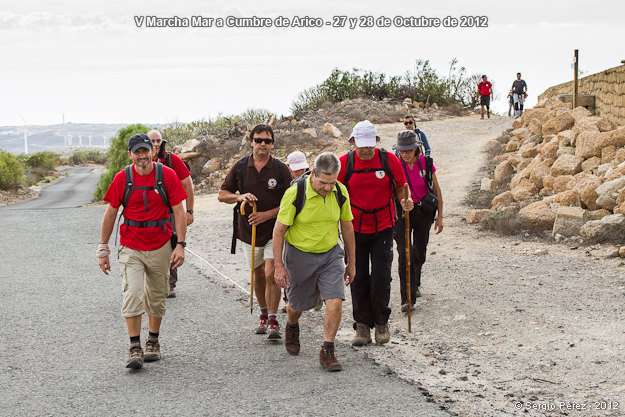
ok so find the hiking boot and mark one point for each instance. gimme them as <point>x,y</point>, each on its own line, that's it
<point>488,114</point>
<point>135,357</point>
<point>382,334</point>
<point>319,304</point>
<point>262,328</point>
<point>363,335</point>
<point>172,293</point>
<point>328,360</point>
<point>152,351</point>
<point>417,294</point>
<point>482,116</point>
<point>291,339</point>
<point>274,330</point>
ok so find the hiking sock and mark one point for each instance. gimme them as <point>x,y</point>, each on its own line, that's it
<point>292,326</point>
<point>263,311</point>
<point>328,344</point>
<point>273,316</point>
<point>135,339</point>
<point>153,336</point>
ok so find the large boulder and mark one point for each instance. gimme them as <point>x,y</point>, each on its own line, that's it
<point>502,200</point>
<point>331,130</point>
<point>565,198</point>
<point>537,174</point>
<point>210,166</point>
<point>614,138</point>
<point>561,183</point>
<point>474,216</point>
<point>538,215</point>
<point>586,185</point>
<point>488,184</point>
<point>585,144</point>
<point>550,149</point>
<point>607,154</point>
<point>566,165</point>
<point>190,146</point>
<point>503,172</point>
<point>597,214</point>
<point>524,190</point>
<point>563,121</point>
<point>311,131</point>
<point>608,229</point>
<point>569,221</point>
<point>534,126</point>
<point>610,189</point>
<point>591,164</point>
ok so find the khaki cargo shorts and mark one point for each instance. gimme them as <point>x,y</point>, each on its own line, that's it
<point>145,280</point>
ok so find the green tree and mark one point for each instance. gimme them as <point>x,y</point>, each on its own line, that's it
<point>118,156</point>
<point>10,171</point>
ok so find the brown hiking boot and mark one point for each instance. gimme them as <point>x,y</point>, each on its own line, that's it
<point>135,357</point>
<point>382,334</point>
<point>328,360</point>
<point>291,339</point>
<point>152,351</point>
<point>363,335</point>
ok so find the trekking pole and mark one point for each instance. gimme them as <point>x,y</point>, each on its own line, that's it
<point>253,203</point>
<point>407,242</point>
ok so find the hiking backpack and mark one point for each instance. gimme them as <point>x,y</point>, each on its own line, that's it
<point>300,195</point>
<point>159,187</point>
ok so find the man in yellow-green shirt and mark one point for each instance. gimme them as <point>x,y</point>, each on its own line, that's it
<point>313,260</point>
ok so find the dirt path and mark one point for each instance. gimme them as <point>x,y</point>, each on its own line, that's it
<point>497,325</point>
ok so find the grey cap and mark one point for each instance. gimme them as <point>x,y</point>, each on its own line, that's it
<point>407,140</point>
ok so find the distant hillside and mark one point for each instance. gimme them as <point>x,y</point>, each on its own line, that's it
<point>52,137</point>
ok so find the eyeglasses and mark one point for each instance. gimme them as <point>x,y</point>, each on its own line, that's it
<point>408,123</point>
<point>266,141</point>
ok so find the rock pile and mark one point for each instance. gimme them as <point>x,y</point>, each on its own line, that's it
<point>566,172</point>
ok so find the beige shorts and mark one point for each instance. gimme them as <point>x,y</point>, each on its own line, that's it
<point>260,253</point>
<point>145,280</point>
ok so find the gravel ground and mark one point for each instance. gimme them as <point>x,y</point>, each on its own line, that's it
<point>499,330</point>
<point>63,344</point>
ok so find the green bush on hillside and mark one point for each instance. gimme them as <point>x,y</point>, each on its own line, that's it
<point>11,171</point>
<point>45,161</point>
<point>118,156</point>
<point>80,157</point>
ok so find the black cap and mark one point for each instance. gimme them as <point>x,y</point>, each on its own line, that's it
<point>140,140</point>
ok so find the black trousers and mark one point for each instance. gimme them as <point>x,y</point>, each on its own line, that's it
<point>371,289</point>
<point>420,225</point>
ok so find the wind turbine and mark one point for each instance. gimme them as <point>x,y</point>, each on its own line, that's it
<point>25,135</point>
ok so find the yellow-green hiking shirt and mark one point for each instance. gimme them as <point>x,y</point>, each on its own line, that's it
<point>315,228</point>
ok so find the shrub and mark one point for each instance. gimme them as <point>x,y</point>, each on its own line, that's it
<point>11,171</point>
<point>44,160</point>
<point>118,156</point>
<point>81,157</point>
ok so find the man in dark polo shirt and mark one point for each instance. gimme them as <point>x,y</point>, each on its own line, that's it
<point>261,178</point>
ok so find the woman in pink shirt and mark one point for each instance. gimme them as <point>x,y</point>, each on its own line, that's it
<point>414,165</point>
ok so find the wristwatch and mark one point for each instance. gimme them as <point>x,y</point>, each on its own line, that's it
<point>182,243</point>
<point>190,211</point>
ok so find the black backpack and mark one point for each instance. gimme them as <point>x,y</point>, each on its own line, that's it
<point>159,187</point>
<point>168,161</point>
<point>300,196</point>
<point>349,171</point>
<point>280,169</point>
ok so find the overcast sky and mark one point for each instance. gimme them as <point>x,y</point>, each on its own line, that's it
<point>90,61</point>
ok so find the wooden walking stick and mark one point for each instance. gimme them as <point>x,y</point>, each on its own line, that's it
<point>253,203</point>
<point>407,243</point>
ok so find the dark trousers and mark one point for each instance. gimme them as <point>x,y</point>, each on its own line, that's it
<point>420,225</point>
<point>371,291</point>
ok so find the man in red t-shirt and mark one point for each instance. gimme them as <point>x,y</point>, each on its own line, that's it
<point>485,93</point>
<point>146,253</point>
<point>183,173</point>
<point>371,197</point>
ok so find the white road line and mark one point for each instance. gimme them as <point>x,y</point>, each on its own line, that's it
<point>216,270</point>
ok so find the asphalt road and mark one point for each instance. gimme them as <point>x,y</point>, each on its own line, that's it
<point>64,342</point>
<point>74,191</point>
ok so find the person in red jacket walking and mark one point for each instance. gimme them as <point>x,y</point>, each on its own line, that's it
<point>145,237</point>
<point>485,93</point>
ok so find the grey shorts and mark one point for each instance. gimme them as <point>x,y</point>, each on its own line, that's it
<point>313,273</point>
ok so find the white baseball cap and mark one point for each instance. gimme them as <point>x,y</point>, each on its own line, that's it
<point>296,161</point>
<point>364,134</point>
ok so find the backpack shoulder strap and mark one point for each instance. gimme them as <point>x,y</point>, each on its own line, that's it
<point>340,197</point>
<point>429,163</point>
<point>238,173</point>
<point>386,167</point>
<point>300,196</point>
<point>159,183</point>
<point>281,171</point>
<point>349,167</point>
<point>168,159</point>
<point>128,187</point>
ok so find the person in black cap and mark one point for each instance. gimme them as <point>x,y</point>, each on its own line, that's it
<point>146,189</point>
<point>415,170</point>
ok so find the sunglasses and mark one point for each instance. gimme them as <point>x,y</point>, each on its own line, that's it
<point>263,140</point>
<point>408,123</point>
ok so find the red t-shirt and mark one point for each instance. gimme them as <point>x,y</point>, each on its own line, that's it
<point>177,165</point>
<point>371,191</point>
<point>145,238</point>
<point>485,88</point>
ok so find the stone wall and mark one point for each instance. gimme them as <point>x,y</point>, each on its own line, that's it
<point>608,87</point>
